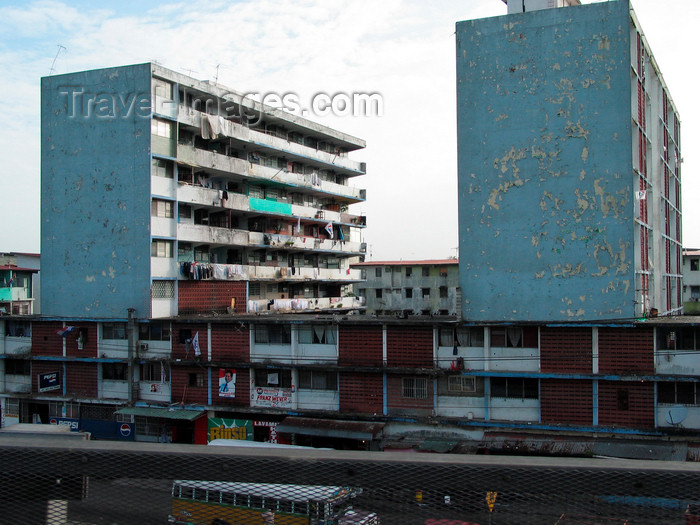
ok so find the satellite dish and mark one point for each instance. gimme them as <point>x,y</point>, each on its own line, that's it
<point>676,414</point>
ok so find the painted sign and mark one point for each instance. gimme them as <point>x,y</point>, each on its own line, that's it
<point>227,382</point>
<point>221,428</point>
<point>49,381</point>
<point>271,397</point>
<point>65,422</point>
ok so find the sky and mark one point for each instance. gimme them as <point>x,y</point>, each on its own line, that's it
<point>403,50</point>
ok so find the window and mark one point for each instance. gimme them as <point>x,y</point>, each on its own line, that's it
<point>414,387</point>
<point>114,331</point>
<point>694,265</point>
<point>514,337</point>
<point>409,271</point>
<point>17,367</point>
<point>388,269</point>
<point>426,293</point>
<point>623,399</point>
<point>695,292</point>
<point>161,208</point>
<point>443,292</point>
<point>461,384</point>
<point>18,329</point>
<point>316,335</point>
<point>154,332</point>
<point>114,371</point>
<point>318,380</point>
<point>184,211</point>
<point>269,377</point>
<point>161,128</point>
<point>443,271</point>
<point>155,371</point>
<point>409,293</point>
<point>378,293</point>
<point>162,168</point>
<point>683,393</point>
<point>514,387</point>
<point>678,338</point>
<point>377,272</point>
<point>254,289</point>
<point>195,379</point>
<point>161,248</point>
<point>426,271</point>
<point>163,289</point>
<point>163,89</point>
<point>273,334</point>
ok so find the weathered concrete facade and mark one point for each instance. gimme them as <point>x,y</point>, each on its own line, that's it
<point>556,165</point>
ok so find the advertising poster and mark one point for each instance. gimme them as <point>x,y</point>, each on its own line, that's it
<point>222,428</point>
<point>227,382</point>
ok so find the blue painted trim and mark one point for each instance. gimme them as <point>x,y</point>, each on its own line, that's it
<point>487,399</point>
<point>164,157</point>
<point>595,403</point>
<point>385,395</point>
<point>209,397</point>
<point>64,359</point>
<point>163,238</point>
<point>163,198</point>
<point>63,380</point>
<point>435,394</point>
<point>589,377</point>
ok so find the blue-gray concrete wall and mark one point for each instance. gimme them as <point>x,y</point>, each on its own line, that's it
<point>546,196</point>
<point>95,192</point>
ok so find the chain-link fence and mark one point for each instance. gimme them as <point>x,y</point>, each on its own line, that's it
<point>92,482</point>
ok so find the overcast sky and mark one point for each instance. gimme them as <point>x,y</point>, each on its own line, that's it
<point>402,49</point>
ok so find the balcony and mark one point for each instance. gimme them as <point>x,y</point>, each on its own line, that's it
<point>264,141</point>
<point>225,164</point>
<point>304,304</point>
<point>17,345</point>
<point>677,362</point>
<point>18,384</point>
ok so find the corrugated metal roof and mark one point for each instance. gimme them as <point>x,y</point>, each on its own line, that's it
<point>330,428</point>
<point>163,413</point>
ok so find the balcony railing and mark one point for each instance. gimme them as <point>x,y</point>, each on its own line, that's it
<point>262,140</point>
<point>225,164</point>
<point>306,304</point>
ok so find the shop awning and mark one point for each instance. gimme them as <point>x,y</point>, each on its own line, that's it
<point>163,413</point>
<point>330,428</point>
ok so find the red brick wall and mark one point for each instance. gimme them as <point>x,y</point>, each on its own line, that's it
<point>640,399</point>
<point>89,347</point>
<point>361,393</point>
<point>626,350</point>
<point>398,405</point>
<point>409,346</point>
<point>81,379</point>
<point>566,350</point>
<point>182,392</point>
<point>231,342</point>
<point>179,350</point>
<point>566,401</point>
<point>360,345</point>
<point>45,341</point>
<point>210,296</point>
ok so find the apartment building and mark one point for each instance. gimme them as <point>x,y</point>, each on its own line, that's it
<point>19,283</point>
<point>168,195</point>
<point>407,288</point>
<point>691,281</point>
<point>350,381</point>
<point>569,166</point>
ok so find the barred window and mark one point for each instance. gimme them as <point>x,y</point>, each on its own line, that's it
<point>461,384</point>
<point>17,367</point>
<point>19,329</point>
<point>163,289</point>
<point>414,388</point>
<point>254,289</point>
<point>273,377</point>
<point>11,407</point>
<point>682,393</point>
